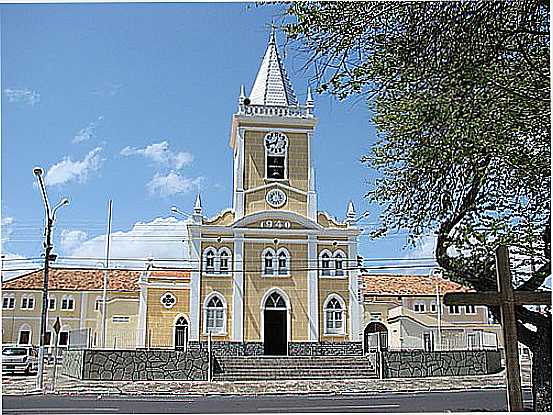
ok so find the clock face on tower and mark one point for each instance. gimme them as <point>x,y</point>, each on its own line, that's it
<point>276,198</point>
<point>275,143</point>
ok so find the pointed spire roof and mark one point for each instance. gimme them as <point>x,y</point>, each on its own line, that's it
<point>198,205</point>
<point>272,86</point>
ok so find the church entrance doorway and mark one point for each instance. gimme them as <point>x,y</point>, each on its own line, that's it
<point>181,334</point>
<point>275,326</point>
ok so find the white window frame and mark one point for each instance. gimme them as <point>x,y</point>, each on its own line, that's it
<point>27,302</point>
<point>325,272</point>
<point>451,309</point>
<point>67,299</point>
<point>210,270</point>
<point>25,327</point>
<point>275,263</point>
<point>285,156</point>
<point>49,302</point>
<point>223,330</point>
<point>433,307</point>
<point>419,307</point>
<point>287,267</point>
<point>335,272</point>
<point>10,301</point>
<point>228,252</point>
<point>170,294</point>
<point>334,332</point>
<point>471,313</point>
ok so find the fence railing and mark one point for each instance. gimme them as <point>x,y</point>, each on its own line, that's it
<point>127,340</point>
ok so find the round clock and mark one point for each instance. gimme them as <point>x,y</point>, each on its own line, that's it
<point>276,198</point>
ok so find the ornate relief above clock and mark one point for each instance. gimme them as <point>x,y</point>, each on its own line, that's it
<point>276,198</point>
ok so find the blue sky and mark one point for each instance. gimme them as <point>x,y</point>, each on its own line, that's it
<point>113,100</point>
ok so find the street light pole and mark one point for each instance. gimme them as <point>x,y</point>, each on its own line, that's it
<point>50,218</point>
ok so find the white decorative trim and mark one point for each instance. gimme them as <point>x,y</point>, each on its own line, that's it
<point>168,295</point>
<point>343,331</point>
<point>238,290</point>
<point>312,291</point>
<point>142,313</point>
<point>195,256</point>
<point>83,307</point>
<point>276,183</point>
<point>355,305</point>
<point>212,294</point>
<point>283,294</point>
<point>280,214</point>
<point>226,250</point>
<point>269,153</point>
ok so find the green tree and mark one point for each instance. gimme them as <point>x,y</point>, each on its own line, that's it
<point>460,93</point>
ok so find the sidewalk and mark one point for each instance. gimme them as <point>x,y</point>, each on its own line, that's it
<point>18,385</point>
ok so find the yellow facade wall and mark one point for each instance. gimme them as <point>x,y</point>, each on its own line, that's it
<point>160,322</point>
<point>256,285</point>
<point>337,286</point>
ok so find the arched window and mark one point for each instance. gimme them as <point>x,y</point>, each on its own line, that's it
<point>275,301</point>
<point>224,260</point>
<point>24,336</point>
<point>215,310</point>
<point>209,261</point>
<point>339,263</point>
<point>268,259</point>
<point>181,333</point>
<point>334,315</point>
<point>325,263</point>
<point>283,261</point>
<point>276,148</point>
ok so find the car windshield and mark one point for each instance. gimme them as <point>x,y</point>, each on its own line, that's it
<point>14,351</point>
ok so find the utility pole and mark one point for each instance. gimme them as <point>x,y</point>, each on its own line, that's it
<point>105,287</point>
<point>50,218</point>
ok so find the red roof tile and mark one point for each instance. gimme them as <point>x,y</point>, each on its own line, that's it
<point>396,285</point>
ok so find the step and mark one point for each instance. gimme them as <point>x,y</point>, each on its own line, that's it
<point>306,377</point>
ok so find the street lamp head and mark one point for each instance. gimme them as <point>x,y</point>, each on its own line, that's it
<point>174,209</point>
<point>38,171</point>
<point>65,201</point>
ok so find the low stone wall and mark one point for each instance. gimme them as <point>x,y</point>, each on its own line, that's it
<point>73,363</point>
<point>419,363</point>
<point>227,349</point>
<point>131,365</point>
<point>325,349</point>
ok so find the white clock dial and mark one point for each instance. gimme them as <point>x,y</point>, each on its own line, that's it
<point>275,143</point>
<point>276,198</point>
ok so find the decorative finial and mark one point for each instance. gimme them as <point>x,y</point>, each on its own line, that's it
<point>242,94</point>
<point>198,205</point>
<point>309,101</point>
<point>350,214</point>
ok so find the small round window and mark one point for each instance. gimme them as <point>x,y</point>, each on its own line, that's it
<point>168,300</point>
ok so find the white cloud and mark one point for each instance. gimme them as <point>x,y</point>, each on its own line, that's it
<point>24,96</point>
<point>162,238</point>
<point>108,90</point>
<point>70,240</point>
<point>68,170</point>
<point>88,132</point>
<point>160,153</point>
<point>172,184</point>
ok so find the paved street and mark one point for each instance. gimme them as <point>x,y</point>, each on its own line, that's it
<point>476,400</point>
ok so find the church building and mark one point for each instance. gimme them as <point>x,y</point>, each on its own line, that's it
<point>272,275</point>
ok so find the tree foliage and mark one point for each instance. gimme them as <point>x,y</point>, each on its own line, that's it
<point>460,93</point>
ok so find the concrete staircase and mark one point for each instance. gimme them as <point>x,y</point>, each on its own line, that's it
<point>283,368</point>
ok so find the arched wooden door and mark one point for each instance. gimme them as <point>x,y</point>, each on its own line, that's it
<point>181,334</point>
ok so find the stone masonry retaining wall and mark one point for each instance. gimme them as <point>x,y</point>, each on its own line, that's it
<point>454,363</point>
<point>224,348</point>
<point>136,364</point>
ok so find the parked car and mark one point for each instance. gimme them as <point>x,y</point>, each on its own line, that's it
<point>19,358</point>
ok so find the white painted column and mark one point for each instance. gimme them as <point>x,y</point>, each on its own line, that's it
<point>239,175</point>
<point>238,289</point>
<point>312,289</point>
<point>142,313</point>
<point>195,275</point>
<point>354,303</point>
<point>84,309</point>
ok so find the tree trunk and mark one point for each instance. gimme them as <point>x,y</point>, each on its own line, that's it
<point>541,370</point>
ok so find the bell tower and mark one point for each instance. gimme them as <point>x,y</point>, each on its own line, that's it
<point>271,137</point>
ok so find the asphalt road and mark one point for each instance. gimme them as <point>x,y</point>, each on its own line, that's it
<point>455,401</point>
